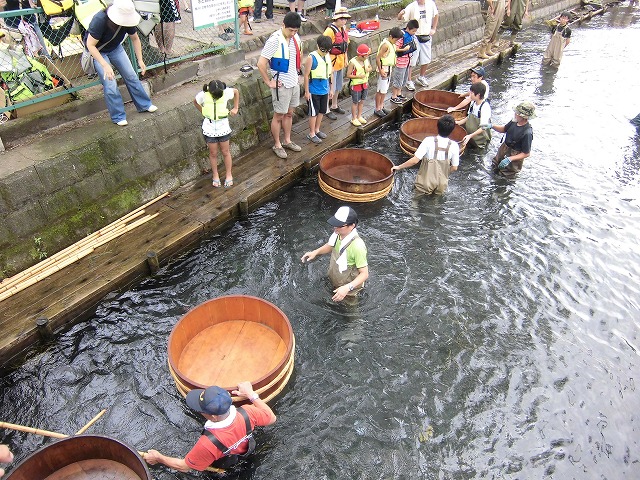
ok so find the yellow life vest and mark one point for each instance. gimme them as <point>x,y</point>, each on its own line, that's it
<point>390,59</point>
<point>86,9</point>
<point>245,3</point>
<point>214,109</point>
<point>360,69</point>
<point>320,71</point>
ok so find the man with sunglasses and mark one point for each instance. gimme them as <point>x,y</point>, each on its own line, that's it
<point>348,267</point>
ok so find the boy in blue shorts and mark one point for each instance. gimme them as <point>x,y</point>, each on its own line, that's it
<point>317,75</point>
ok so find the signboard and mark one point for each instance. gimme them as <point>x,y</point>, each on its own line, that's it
<point>211,13</point>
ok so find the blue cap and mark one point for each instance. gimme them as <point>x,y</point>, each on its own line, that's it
<point>480,71</point>
<point>212,400</point>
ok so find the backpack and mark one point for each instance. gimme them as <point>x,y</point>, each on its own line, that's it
<point>408,39</point>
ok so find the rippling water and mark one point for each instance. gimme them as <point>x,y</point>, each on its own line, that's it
<point>498,336</point>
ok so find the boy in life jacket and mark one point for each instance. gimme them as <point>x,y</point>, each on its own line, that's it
<point>212,103</point>
<point>317,75</point>
<point>478,120</point>
<point>245,10</point>
<point>405,46</point>
<point>439,155</point>
<point>385,61</point>
<point>560,38</point>
<point>358,72</point>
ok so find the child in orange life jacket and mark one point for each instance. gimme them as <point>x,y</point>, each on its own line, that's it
<point>245,10</point>
<point>317,77</point>
<point>212,103</point>
<point>358,71</point>
<point>385,61</point>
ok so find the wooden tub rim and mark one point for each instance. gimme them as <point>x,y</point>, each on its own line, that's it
<point>56,444</point>
<point>274,371</point>
<point>381,180</point>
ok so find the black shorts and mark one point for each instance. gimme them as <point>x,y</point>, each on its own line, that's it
<point>318,104</point>
<point>222,139</point>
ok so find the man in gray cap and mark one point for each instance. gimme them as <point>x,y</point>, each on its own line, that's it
<point>228,433</point>
<point>348,267</point>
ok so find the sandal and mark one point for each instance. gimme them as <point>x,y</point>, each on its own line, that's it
<point>216,183</point>
<point>228,183</point>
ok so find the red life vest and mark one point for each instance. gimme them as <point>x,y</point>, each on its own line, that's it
<point>341,42</point>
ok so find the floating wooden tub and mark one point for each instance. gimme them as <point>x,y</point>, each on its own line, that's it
<point>83,457</point>
<point>231,339</point>
<point>355,174</point>
<point>434,104</point>
<point>414,131</point>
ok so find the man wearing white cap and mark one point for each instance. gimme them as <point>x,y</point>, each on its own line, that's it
<point>348,268</point>
<point>104,38</point>
<point>228,434</point>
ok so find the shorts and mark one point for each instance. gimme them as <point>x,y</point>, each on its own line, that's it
<point>422,55</point>
<point>383,84</point>
<point>359,95</point>
<point>338,80</point>
<point>285,99</point>
<point>222,139</point>
<point>399,77</point>
<point>318,104</point>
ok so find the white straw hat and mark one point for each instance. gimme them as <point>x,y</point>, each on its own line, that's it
<point>123,13</point>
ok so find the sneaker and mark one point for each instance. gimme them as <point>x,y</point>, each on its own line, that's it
<point>331,116</point>
<point>385,111</point>
<point>411,86</point>
<point>122,123</point>
<point>396,100</point>
<point>402,97</point>
<point>380,113</point>
<point>422,81</point>
<point>355,122</point>
<point>152,109</point>
<point>314,139</point>
<point>321,135</point>
<point>292,146</point>
<point>257,20</point>
<point>279,151</point>
<point>362,120</point>
<point>302,17</point>
<point>338,110</point>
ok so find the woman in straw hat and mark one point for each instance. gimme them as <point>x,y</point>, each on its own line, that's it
<point>517,141</point>
<point>104,41</point>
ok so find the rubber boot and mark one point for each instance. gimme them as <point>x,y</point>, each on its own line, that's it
<point>482,53</point>
<point>492,50</point>
<point>512,40</point>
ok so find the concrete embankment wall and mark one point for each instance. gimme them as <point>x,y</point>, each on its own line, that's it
<point>68,186</point>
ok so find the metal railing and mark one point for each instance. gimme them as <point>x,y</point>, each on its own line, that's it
<point>59,40</point>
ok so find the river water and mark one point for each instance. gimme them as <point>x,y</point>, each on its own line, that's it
<point>498,336</point>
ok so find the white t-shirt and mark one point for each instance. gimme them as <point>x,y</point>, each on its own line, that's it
<point>423,13</point>
<point>486,94</point>
<point>485,112</point>
<point>428,146</point>
<point>217,128</point>
<point>289,78</point>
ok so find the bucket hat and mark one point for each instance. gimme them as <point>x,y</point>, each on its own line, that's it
<point>526,110</point>
<point>211,400</point>
<point>123,13</point>
<point>341,12</point>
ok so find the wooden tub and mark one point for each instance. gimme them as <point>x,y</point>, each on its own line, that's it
<point>83,457</point>
<point>231,339</point>
<point>355,174</point>
<point>434,104</point>
<point>413,131</point>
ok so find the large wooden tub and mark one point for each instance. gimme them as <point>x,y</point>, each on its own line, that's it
<point>414,131</point>
<point>434,104</point>
<point>355,174</point>
<point>83,457</point>
<point>231,339</point>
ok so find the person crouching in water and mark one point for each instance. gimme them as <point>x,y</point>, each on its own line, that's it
<point>317,74</point>
<point>212,104</point>
<point>440,156</point>
<point>560,38</point>
<point>348,267</point>
<point>517,141</point>
<point>478,120</point>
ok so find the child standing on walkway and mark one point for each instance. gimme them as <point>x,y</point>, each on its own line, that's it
<point>358,71</point>
<point>385,61</point>
<point>212,103</point>
<point>405,46</point>
<point>317,72</point>
<point>560,38</point>
<point>245,10</point>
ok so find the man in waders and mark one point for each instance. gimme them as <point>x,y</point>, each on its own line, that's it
<point>348,268</point>
<point>439,155</point>
<point>560,38</point>
<point>228,433</point>
<point>517,141</point>
<point>516,11</point>
<point>477,123</point>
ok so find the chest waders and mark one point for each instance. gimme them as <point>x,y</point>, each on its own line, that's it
<point>433,175</point>
<point>339,278</point>
<point>230,460</point>
<point>473,123</point>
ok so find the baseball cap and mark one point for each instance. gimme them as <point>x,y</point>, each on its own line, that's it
<point>363,50</point>
<point>211,400</point>
<point>479,70</point>
<point>344,216</point>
